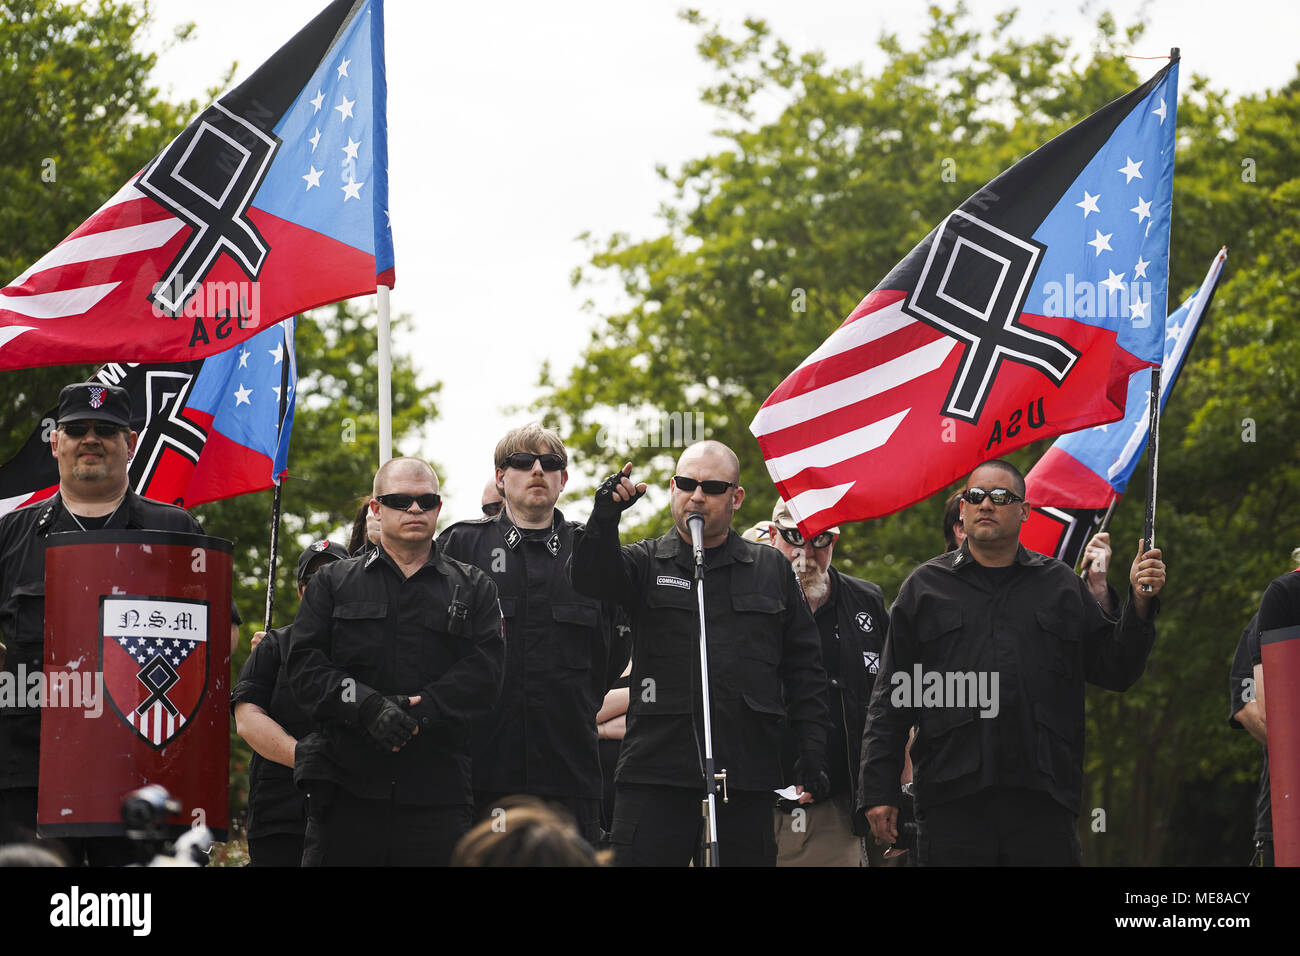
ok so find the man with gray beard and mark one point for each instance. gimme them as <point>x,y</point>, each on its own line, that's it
<point>852,620</point>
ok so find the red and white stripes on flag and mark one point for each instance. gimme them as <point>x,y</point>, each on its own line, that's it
<point>106,256</point>
<point>847,400</point>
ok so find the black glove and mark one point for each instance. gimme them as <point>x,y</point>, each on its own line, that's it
<point>810,773</point>
<point>387,722</point>
<point>606,510</point>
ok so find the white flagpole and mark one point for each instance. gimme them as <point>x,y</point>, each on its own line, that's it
<point>385,380</point>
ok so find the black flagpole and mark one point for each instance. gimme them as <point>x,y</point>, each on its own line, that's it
<point>1105,524</point>
<point>275,500</point>
<point>1153,459</point>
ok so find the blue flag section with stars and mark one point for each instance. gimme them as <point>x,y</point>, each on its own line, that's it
<point>1086,469</point>
<point>241,394</point>
<point>332,168</point>
<point>1119,209</point>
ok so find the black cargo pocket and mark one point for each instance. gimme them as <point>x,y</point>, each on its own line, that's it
<point>939,643</point>
<point>629,807</point>
<point>757,646</point>
<point>573,635</point>
<point>671,626</point>
<point>1064,650</point>
<point>1059,749</point>
<point>359,630</point>
<point>667,652</point>
<point>948,745</point>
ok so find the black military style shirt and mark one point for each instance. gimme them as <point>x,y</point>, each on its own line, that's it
<point>562,654</point>
<point>365,628</point>
<point>853,623</point>
<point>1037,627</point>
<point>764,656</point>
<point>23,534</point>
<point>275,805</point>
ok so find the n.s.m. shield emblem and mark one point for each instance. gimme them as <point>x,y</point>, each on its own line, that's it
<point>153,652</point>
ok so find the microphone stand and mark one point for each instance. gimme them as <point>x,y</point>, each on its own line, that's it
<point>709,807</point>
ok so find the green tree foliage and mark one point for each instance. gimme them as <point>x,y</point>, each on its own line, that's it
<point>827,177</point>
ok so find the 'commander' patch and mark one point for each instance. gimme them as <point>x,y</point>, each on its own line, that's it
<point>670,581</point>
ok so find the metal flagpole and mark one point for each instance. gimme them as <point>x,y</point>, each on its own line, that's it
<point>275,547</point>
<point>385,380</point>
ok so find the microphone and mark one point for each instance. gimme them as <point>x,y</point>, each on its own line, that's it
<point>695,521</point>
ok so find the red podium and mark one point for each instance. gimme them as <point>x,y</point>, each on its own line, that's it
<point>137,664</point>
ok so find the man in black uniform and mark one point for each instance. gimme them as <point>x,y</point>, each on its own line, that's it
<point>272,723</point>
<point>93,444</point>
<point>1246,712</point>
<point>764,666</point>
<point>541,738</point>
<point>852,621</point>
<point>392,655</point>
<point>988,650</point>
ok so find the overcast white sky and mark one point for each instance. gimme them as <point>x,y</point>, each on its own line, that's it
<point>516,126</point>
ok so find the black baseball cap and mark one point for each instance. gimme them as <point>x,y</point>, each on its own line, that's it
<point>325,549</point>
<point>94,402</point>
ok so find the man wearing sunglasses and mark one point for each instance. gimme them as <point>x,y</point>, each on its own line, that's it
<point>852,622</point>
<point>393,654</point>
<point>562,650</point>
<point>764,668</point>
<point>492,500</point>
<point>998,777</point>
<point>93,443</point>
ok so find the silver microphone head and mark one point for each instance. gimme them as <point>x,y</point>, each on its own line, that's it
<point>695,521</point>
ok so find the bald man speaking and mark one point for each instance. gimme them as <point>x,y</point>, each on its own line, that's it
<point>764,666</point>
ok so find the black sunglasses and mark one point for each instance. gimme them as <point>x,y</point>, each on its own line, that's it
<point>399,502</point>
<point>796,540</point>
<point>523,460</point>
<point>999,496</point>
<point>101,429</point>
<point>492,508</point>
<point>711,487</point>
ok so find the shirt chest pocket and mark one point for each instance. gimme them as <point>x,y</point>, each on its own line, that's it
<point>755,645</point>
<point>943,644</point>
<point>358,638</point>
<point>574,635</point>
<point>672,624</point>
<point>1059,646</point>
